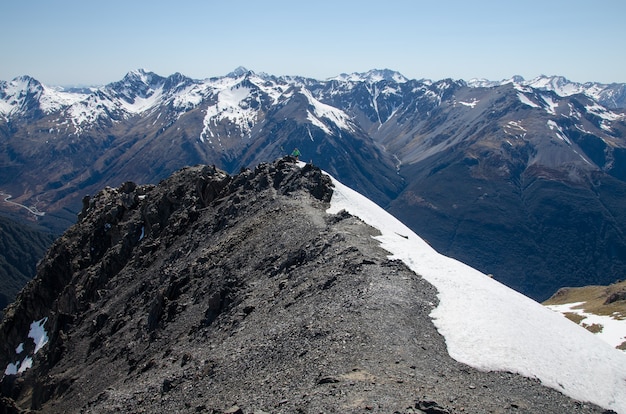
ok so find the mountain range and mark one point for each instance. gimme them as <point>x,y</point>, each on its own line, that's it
<point>524,180</point>
<point>279,289</point>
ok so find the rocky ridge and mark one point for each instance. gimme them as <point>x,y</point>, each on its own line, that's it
<point>240,294</point>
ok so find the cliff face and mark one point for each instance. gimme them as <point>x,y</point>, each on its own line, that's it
<point>218,293</point>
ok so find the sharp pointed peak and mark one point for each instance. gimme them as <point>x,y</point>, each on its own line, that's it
<point>239,71</point>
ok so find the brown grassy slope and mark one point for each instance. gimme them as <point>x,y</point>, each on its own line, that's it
<point>599,300</point>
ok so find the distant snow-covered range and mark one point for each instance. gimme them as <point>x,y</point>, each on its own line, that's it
<point>610,95</point>
<point>142,91</point>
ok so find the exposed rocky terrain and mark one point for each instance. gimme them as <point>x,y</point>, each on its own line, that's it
<point>239,294</point>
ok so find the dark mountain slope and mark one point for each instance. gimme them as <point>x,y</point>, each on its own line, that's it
<point>352,155</point>
<point>210,291</point>
<point>534,238</point>
<point>21,247</point>
<point>538,209</point>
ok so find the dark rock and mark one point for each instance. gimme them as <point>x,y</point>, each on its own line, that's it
<point>327,380</point>
<point>431,407</point>
<point>615,297</point>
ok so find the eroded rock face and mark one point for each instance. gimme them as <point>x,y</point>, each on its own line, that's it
<point>218,293</point>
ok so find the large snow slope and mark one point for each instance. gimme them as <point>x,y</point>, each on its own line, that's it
<point>491,327</point>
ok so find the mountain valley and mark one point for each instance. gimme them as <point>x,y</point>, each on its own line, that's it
<point>524,180</point>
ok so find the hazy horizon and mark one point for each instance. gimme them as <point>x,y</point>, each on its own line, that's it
<point>70,42</point>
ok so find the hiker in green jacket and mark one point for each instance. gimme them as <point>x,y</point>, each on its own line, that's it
<point>296,153</point>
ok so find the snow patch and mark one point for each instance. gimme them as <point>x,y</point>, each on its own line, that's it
<point>142,104</point>
<point>559,132</point>
<point>552,105</point>
<point>602,112</point>
<point>526,101</point>
<point>40,337</point>
<point>231,105</point>
<point>471,104</point>
<point>38,333</point>
<point>323,111</point>
<point>515,128</point>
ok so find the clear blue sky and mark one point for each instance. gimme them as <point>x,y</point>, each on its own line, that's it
<point>65,42</point>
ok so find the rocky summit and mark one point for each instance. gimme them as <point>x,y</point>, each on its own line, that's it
<point>237,294</point>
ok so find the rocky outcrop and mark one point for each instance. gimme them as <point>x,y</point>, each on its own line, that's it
<point>237,294</point>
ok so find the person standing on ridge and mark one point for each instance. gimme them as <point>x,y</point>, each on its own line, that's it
<point>296,153</point>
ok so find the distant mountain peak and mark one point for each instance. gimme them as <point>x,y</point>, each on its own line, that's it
<point>372,76</point>
<point>142,76</point>
<point>238,71</point>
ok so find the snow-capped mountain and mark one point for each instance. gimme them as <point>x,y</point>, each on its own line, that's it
<point>24,96</point>
<point>372,76</point>
<point>490,175</point>
<point>281,289</point>
<point>609,95</point>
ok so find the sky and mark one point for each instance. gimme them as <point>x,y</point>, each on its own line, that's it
<point>77,42</point>
<point>491,327</point>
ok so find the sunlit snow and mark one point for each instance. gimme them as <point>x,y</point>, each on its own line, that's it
<point>471,104</point>
<point>552,105</point>
<point>40,337</point>
<point>233,102</point>
<point>16,92</point>
<point>611,329</point>
<point>141,104</point>
<point>558,131</point>
<point>491,327</point>
<point>331,113</point>
<point>525,100</point>
<point>603,113</point>
<point>515,128</point>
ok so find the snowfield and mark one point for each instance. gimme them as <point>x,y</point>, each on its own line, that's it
<point>491,327</point>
